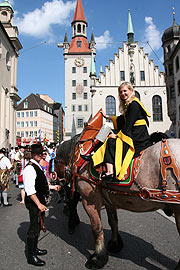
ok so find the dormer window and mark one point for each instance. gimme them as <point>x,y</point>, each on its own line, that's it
<point>79,28</point>
<point>26,105</point>
<point>79,43</point>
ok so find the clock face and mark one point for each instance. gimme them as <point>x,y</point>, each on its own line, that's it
<point>79,62</point>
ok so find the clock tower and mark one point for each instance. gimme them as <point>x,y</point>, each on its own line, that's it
<point>77,56</point>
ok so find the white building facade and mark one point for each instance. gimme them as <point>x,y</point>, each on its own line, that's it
<point>85,94</point>
<point>9,47</point>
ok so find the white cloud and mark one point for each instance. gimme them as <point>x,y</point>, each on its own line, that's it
<point>152,35</point>
<point>38,22</point>
<point>11,2</point>
<point>102,42</point>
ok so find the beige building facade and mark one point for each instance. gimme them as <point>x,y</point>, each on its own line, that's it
<point>39,119</point>
<point>9,47</point>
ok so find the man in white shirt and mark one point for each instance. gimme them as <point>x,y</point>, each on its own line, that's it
<point>5,165</point>
<point>37,190</point>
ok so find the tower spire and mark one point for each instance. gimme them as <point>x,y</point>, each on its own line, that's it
<point>79,13</point>
<point>130,32</point>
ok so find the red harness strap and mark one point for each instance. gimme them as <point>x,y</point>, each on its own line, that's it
<point>43,227</point>
<point>167,161</point>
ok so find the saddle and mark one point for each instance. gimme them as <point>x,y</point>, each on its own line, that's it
<point>88,141</point>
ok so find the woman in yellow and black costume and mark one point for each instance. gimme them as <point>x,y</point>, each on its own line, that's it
<point>132,135</point>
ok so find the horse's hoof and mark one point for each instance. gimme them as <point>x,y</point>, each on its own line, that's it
<point>97,261</point>
<point>115,246</point>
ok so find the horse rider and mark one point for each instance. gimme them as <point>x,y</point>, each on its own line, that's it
<point>132,135</point>
<point>37,190</point>
<point>5,166</point>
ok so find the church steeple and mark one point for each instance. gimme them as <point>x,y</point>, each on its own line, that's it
<point>79,41</point>
<point>79,23</point>
<point>130,32</point>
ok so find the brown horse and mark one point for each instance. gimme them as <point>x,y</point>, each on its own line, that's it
<point>94,197</point>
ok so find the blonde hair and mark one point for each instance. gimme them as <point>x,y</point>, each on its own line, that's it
<point>123,104</point>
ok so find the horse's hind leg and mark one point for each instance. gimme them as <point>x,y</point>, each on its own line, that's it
<point>176,210</point>
<point>100,257</point>
<point>116,243</point>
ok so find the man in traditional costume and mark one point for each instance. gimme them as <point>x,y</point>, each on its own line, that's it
<point>5,167</point>
<point>37,190</point>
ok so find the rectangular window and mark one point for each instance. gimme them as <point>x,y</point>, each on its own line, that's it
<point>25,105</point>
<point>22,124</point>
<point>31,113</point>
<point>35,133</point>
<point>79,43</point>
<point>73,95</point>
<point>85,96</point>
<point>122,75</point>
<point>22,133</point>
<point>31,124</point>
<point>172,92</point>
<point>80,108</point>
<point>22,114</point>
<point>73,69</point>
<point>73,108</point>
<point>170,67</point>
<point>73,82</point>
<point>18,124</point>
<point>142,75</point>
<point>84,69</point>
<point>18,114</point>
<point>35,113</point>
<point>86,108</point>
<point>85,82</point>
<point>35,123</point>
<point>26,134</point>
<point>27,114</point>
<point>26,124</point>
<point>80,122</point>
<point>18,133</point>
<point>31,134</point>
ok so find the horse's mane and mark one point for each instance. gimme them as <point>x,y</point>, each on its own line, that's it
<point>66,149</point>
<point>158,136</point>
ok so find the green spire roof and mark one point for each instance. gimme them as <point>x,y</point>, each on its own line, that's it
<point>93,68</point>
<point>130,26</point>
<point>6,4</point>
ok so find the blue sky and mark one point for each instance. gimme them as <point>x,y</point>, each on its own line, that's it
<point>42,25</point>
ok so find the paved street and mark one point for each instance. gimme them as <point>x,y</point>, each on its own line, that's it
<point>151,241</point>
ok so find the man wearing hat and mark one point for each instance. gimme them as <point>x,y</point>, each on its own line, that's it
<point>37,190</point>
<point>5,165</point>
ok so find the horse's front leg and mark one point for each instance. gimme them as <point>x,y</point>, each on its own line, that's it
<point>100,257</point>
<point>116,243</point>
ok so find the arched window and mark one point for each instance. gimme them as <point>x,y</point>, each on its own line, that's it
<point>157,108</point>
<point>83,29</point>
<point>79,28</point>
<point>177,63</point>
<point>110,105</point>
<point>137,95</point>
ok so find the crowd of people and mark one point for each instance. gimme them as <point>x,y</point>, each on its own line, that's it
<point>13,162</point>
